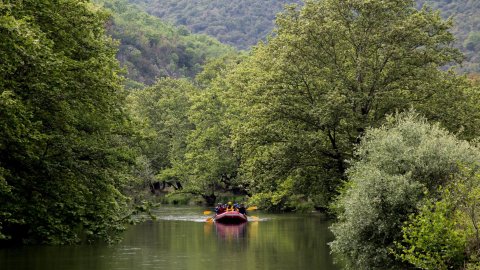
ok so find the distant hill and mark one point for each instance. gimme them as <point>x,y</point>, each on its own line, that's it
<point>242,23</point>
<point>151,48</point>
<point>466,15</point>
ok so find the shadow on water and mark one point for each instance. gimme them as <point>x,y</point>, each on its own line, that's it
<point>181,239</point>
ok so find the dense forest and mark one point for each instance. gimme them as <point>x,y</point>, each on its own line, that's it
<point>64,155</point>
<point>238,23</point>
<point>346,108</point>
<point>243,23</point>
<point>151,48</point>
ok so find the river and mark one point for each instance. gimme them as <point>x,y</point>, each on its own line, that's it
<point>181,239</point>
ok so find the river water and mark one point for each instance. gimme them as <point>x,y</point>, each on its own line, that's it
<point>181,239</point>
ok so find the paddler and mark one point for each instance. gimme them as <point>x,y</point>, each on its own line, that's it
<point>230,207</point>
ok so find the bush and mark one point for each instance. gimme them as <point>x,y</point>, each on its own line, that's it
<point>432,239</point>
<point>397,165</point>
<point>445,234</point>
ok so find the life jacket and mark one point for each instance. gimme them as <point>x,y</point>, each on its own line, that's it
<point>219,209</point>
<point>230,208</point>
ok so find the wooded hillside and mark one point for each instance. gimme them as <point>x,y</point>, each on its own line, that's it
<point>466,16</point>
<point>151,48</point>
<point>237,23</point>
<point>243,23</point>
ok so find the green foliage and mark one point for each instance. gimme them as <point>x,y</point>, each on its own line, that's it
<point>283,199</point>
<point>63,164</point>
<point>182,132</point>
<point>303,100</point>
<point>444,234</point>
<point>466,15</point>
<point>209,159</point>
<point>472,43</point>
<point>151,48</point>
<point>455,106</point>
<point>160,114</point>
<point>237,23</point>
<point>243,23</point>
<point>199,153</point>
<point>396,165</point>
<point>432,240</point>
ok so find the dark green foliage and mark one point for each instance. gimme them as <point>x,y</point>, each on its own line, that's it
<point>445,232</point>
<point>183,132</point>
<point>237,23</point>
<point>152,49</point>
<point>62,164</point>
<point>432,239</point>
<point>210,163</point>
<point>243,23</point>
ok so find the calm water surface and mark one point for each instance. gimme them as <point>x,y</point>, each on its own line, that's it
<point>180,239</point>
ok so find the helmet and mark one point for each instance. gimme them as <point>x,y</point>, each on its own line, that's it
<point>229,203</point>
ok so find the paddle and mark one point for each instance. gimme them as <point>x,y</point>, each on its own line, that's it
<point>210,219</point>
<point>255,218</point>
<point>208,212</point>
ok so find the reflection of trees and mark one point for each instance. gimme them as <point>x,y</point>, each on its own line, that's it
<point>295,242</point>
<point>284,243</point>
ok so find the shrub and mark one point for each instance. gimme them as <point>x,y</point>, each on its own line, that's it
<point>397,164</point>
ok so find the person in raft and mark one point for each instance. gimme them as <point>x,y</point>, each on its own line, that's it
<point>242,209</point>
<point>230,207</point>
<point>219,209</point>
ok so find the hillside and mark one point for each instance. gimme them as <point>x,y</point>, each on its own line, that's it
<point>151,48</point>
<point>243,23</point>
<point>238,23</point>
<point>466,15</point>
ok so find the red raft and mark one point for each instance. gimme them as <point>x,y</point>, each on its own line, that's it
<point>231,217</point>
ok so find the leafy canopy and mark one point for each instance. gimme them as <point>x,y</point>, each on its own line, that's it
<point>63,167</point>
<point>332,69</point>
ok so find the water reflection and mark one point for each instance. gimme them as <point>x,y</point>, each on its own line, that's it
<point>230,231</point>
<point>179,240</point>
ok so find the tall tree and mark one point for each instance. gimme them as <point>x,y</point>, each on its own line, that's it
<point>210,160</point>
<point>184,134</point>
<point>332,69</point>
<point>62,164</point>
<point>161,112</point>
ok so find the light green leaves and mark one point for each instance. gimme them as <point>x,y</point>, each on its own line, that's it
<point>398,164</point>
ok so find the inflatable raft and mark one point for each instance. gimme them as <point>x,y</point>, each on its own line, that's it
<point>231,217</point>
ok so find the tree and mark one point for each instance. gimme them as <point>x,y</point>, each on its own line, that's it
<point>210,162</point>
<point>332,69</point>
<point>63,164</point>
<point>161,113</point>
<point>238,23</point>
<point>398,166</point>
